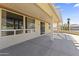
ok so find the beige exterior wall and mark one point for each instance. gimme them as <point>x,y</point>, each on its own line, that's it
<point>47,30</point>
<point>37,26</point>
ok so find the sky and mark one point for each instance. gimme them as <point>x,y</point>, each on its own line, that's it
<point>69,10</point>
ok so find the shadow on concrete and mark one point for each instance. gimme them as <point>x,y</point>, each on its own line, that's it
<point>64,45</point>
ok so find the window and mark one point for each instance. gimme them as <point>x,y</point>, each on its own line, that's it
<point>11,21</point>
<point>30,23</point>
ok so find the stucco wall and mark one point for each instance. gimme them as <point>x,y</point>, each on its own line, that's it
<point>47,30</point>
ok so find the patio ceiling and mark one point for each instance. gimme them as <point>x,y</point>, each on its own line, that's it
<point>42,11</point>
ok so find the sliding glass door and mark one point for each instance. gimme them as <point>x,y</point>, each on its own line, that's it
<point>42,28</point>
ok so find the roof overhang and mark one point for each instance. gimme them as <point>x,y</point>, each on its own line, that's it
<point>43,11</point>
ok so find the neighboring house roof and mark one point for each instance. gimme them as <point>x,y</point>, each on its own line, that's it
<point>74,27</point>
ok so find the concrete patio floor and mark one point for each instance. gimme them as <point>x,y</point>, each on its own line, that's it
<point>57,44</point>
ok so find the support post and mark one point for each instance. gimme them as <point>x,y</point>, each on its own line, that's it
<point>51,34</point>
<point>24,24</point>
<point>57,26</point>
<point>0,20</point>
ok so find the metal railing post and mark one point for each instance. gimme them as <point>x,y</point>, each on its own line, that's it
<point>14,32</point>
<point>0,33</point>
<point>31,30</point>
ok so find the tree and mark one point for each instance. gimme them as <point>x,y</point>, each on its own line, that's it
<point>68,22</point>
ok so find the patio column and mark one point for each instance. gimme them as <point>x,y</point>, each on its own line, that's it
<point>57,26</point>
<point>37,26</point>
<point>46,27</point>
<point>24,24</point>
<point>0,20</point>
<point>52,22</point>
<point>51,26</point>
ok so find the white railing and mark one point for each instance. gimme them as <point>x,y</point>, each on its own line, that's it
<point>30,30</point>
<point>15,31</point>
